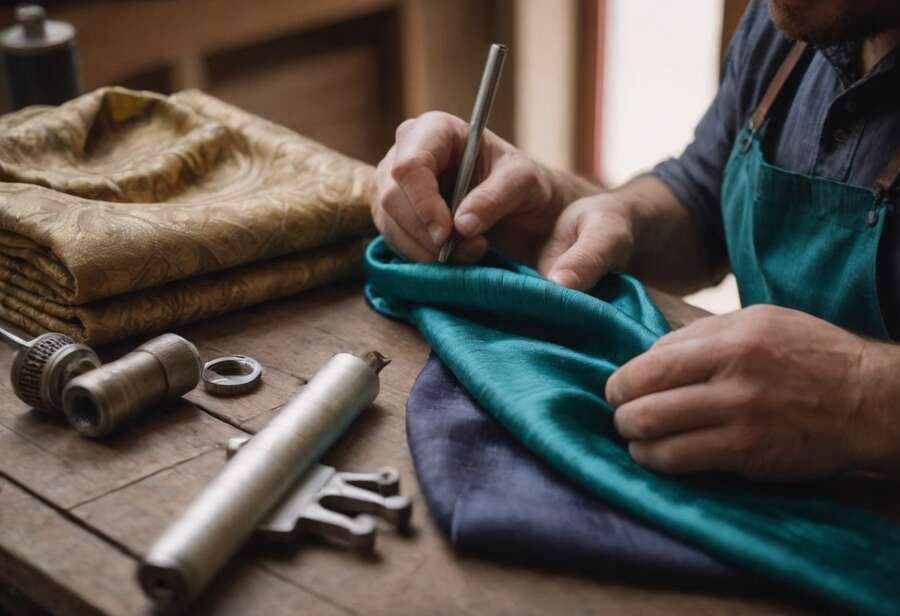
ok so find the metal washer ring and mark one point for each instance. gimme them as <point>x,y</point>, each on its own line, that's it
<point>231,375</point>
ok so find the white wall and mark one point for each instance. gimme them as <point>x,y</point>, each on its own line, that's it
<point>662,64</point>
<point>662,67</point>
<point>661,72</point>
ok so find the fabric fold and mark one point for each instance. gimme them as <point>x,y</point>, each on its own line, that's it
<point>118,192</point>
<point>536,356</point>
<point>151,310</point>
<point>492,497</point>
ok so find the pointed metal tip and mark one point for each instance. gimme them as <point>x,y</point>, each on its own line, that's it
<point>444,254</point>
<point>376,361</point>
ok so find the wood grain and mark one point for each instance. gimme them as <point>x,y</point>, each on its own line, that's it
<point>57,463</point>
<point>118,496</point>
<point>63,567</point>
<point>145,35</point>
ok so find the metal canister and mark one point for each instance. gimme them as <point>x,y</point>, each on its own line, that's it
<point>38,56</point>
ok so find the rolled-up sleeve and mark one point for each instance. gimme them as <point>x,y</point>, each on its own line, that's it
<point>696,176</point>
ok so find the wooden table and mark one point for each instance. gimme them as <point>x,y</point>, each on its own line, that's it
<point>76,514</point>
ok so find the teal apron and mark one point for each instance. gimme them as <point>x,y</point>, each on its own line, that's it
<point>803,242</point>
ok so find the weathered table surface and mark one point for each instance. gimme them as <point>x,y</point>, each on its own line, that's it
<point>76,514</point>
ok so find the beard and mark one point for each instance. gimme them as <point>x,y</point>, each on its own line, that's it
<point>826,22</point>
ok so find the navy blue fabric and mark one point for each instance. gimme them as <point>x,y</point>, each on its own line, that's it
<point>831,122</point>
<point>491,496</point>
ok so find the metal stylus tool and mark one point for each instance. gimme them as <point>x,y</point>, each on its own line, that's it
<point>483,103</point>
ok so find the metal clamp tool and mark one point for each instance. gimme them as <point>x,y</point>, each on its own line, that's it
<point>335,506</point>
<point>273,481</point>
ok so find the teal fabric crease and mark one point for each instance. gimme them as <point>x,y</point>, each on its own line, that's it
<point>537,356</point>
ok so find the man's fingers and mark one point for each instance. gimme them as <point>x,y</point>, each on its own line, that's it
<point>500,194</point>
<point>582,264</point>
<point>595,249</point>
<point>469,250</point>
<point>712,449</point>
<point>407,212</point>
<point>438,134</point>
<point>660,369</point>
<point>423,150</point>
<point>712,325</point>
<point>665,413</point>
<point>401,241</point>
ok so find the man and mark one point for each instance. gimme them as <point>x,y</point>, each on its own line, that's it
<point>787,183</point>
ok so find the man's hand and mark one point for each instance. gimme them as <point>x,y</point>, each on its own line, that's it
<point>767,392</point>
<point>517,205</point>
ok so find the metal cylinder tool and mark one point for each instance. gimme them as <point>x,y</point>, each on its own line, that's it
<point>161,370</point>
<point>484,101</point>
<point>189,552</point>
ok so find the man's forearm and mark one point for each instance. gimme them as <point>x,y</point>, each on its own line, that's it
<point>668,254</point>
<point>878,442</point>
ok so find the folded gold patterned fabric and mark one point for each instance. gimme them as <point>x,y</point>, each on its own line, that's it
<point>125,213</point>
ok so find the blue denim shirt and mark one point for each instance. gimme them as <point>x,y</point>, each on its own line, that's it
<point>830,122</point>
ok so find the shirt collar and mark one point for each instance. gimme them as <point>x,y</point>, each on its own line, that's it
<point>844,57</point>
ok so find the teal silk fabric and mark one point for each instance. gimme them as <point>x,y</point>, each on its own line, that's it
<point>537,356</point>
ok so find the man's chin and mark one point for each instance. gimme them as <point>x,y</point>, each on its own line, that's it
<point>803,21</point>
<point>834,21</point>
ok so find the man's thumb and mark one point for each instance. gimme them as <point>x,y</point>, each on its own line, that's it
<point>581,266</point>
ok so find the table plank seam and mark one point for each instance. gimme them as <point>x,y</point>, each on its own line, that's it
<point>317,595</point>
<point>238,425</point>
<point>324,330</point>
<point>28,570</point>
<point>72,518</point>
<point>141,478</point>
<point>32,442</point>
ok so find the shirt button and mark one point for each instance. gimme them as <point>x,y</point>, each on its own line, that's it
<point>840,135</point>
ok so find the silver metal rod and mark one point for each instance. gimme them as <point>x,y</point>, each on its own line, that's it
<point>190,551</point>
<point>483,104</point>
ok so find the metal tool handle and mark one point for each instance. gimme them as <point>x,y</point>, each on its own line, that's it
<point>14,341</point>
<point>483,104</point>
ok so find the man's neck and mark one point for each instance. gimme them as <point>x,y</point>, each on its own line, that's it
<point>877,47</point>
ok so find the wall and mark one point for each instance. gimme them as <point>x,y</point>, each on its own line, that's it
<point>662,65</point>
<point>661,68</point>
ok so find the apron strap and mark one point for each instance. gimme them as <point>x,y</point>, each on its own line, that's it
<point>887,182</point>
<point>776,85</point>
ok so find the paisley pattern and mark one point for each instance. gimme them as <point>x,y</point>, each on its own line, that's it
<point>127,212</point>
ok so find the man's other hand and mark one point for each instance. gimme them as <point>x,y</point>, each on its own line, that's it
<point>767,392</point>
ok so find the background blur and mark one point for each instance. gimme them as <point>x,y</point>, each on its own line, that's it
<point>605,87</point>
